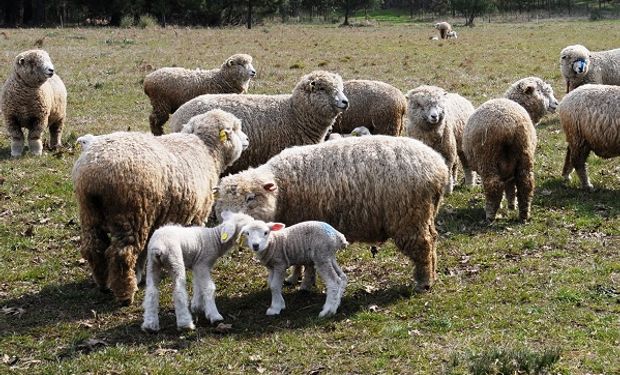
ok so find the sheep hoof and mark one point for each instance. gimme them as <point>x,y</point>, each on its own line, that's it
<point>273,311</point>
<point>215,318</point>
<point>186,327</point>
<point>150,327</point>
<point>326,313</point>
<point>423,288</point>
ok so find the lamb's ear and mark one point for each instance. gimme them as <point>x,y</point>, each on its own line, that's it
<point>275,226</point>
<point>228,231</point>
<point>226,214</point>
<point>270,186</point>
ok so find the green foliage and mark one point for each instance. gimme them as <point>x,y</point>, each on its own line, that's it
<point>126,21</point>
<point>147,21</point>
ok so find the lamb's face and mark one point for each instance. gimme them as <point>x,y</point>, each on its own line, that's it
<point>256,234</point>
<point>546,94</point>
<point>427,105</point>
<point>34,66</point>
<point>323,91</point>
<point>240,65</point>
<point>248,192</point>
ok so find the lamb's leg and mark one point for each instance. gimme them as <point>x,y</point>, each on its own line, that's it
<point>493,192</point>
<point>179,293</point>
<point>341,275</point>
<point>17,137</point>
<point>419,245</point>
<point>568,165</point>
<point>332,288</point>
<point>55,134</point>
<point>206,286</point>
<point>525,192</point>
<point>276,278</point>
<point>293,279</point>
<point>309,280</point>
<point>578,159</point>
<point>511,191</point>
<point>151,296</point>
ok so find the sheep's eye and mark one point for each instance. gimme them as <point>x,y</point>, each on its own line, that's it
<point>266,233</point>
<point>250,197</point>
<point>563,57</point>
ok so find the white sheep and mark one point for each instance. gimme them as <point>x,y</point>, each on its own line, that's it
<point>533,94</point>
<point>307,243</point>
<point>360,131</point>
<point>85,141</point>
<point>580,66</point>
<point>175,248</point>
<point>451,35</point>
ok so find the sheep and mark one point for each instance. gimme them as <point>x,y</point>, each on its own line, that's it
<point>376,105</point>
<point>580,66</point>
<point>590,117</point>
<point>360,131</point>
<point>437,118</point>
<point>85,141</point>
<point>368,188</point>
<point>451,34</point>
<point>444,28</point>
<point>176,248</point>
<point>35,98</point>
<point>275,122</point>
<point>169,88</point>
<point>308,243</point>
<point>129,184</point>
<point>533,94</point>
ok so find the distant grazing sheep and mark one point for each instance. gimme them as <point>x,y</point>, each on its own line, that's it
<point>169,88</point>
<point>590,117</point>
<point>444,28</point>
<point>33,97</point>
<point>368,188</point>
<point>129,184</point>
<point>580,66</point>
<point>451,35</point>
<point>275,122</point>
<point>533,94</point>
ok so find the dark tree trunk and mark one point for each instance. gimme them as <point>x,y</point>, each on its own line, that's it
<point>249,14</point>
<point>347,9</point>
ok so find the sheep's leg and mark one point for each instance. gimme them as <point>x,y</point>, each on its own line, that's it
<point>493,192</point>
<point>179,293</point>
<point>419,246</point>
<point>206,286</point>
<point>55,134</point>
<point>276,278</point>
<point>309,280</point>
<point>157,119</point>
<point>93,248</point>
<point>525,192</point>
<point>568,165</point>
<point>35,144</point>
<point>197,305</point>
<point>343,278</point>
<point>140,270</point>
<point>17,136</point>
<point>511,193</point>
<point>332,288</point>
<point>151,296</point>
<point>578,159</point>
<point>293,279</point>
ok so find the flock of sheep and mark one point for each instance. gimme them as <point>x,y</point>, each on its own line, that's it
<point>144,198</point>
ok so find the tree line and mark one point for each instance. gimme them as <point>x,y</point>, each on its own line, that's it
<point>34,13</point>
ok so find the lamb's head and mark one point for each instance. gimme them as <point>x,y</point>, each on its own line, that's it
<point>85,141</point>
<point>232,222</point>
<point>239,69</point>
<point>575,64</point>
<point>535,95</point>
<point>360,131</point>
<point>321,92</point>
<point>256,234</point>
<point>34,66</point>
<point>426,106</point>
<point>253,191</point>
<point>218,127</point>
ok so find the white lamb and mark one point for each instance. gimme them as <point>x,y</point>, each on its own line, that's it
<point>176,248</point>
<point>307,243</point>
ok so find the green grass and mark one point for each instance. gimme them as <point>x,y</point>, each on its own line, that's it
<point>510,296</point>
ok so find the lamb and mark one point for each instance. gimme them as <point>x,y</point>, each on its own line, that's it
<point>437,118</point>
<point>176,248</point>
<point>169,88</point>
<point>307,243</point>
<point>35,98</point>
<point>451,35</point>
<point>590,117</point>
<point>376,105</point>
<point>85,141</point>
<point>533,94</point>
<point>580,66</point>
<point>444,28</point>
<point>360,131</point>
<point>368,188</point>
<point>275,122</point>
<point>129,184</point>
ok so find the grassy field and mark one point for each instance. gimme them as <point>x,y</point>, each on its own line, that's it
<point>511,298</point>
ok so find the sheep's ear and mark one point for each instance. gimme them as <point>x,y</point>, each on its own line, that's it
<point>230,62</point>
<point>228,231</point>
<point>224,135</point>
<point>276,226</point>
<point>215,191</point>
<point>528,88</point>
<point>270,186</point>
<point>311,85</point>
<point>21,61</point>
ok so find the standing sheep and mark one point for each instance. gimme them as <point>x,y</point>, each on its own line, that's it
<point>590,117</point>
<point>438,119</point>
<point>169,88</point>
<point>309,243</point>
<point>444,28</point>
<point>368,188</point>
<point>275,122</point>
<point>129,184</point>
<point>378,106</point>
<point>533,94</point>
<point>33,97</point>
<point>176,248</point>
<point>580,66</point>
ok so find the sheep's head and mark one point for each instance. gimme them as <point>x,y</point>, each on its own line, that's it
<point>239,67</point>
<point>574,63</point>
<point>253,192</point>
<point>34,66</point>
<point>232,222</point>
<point>426,103</point>
<point>256,234</point>
<point>323,92</point>
<point>218,127</point>
<point>360,131</point>
<point>535,95</point>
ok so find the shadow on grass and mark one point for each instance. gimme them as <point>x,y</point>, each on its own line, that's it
<point>555,194</point>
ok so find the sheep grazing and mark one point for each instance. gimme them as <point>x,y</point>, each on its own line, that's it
<point>533,94</point>
<point>275,122</point>
<point>438,118</point>
<point>169,88</point>
<point>590,117</point>
<point>444,28</point>
<point>308,243</point>
<point>368,188</point>
<point>580,66</point>
<point>129,184</point>
<point>175,249</point>
<point>360,131</point>
<point>376,105</point>
<point>35,98</point>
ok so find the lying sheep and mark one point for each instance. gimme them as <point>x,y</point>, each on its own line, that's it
<point>360,131</point>
<point>129,184</point>
<point>444,28</point>
<point>533,94</point>
<point>580,66</point>
<point>275,122</point>
<point>590,117</point>
<point>175,249</point>
<point>437,119</point>
<point>308,243</point>
<point>35,98</point>
<point>169,88</point>
<point>376,105</point>
<point>368,188</point>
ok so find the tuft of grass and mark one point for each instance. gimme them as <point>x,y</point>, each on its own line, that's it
<point>507,361</point>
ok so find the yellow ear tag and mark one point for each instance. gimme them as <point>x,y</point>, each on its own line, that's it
<point>223,136</point>
<point>224,236</point>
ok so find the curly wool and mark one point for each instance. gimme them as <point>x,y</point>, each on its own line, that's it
<point>601,67</point>
<point>169,88</point>
<point>275,122</point>
<point>533,94</point>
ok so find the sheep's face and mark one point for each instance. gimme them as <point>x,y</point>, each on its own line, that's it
<point>240,66</point>
<point>575,61</point>
<point>232,224</point>
<point>34,66</point>
<point>428,104</point>
<point>256,234</point>
<point>248,192</point>
<point>546,94</point>
<point>535,95</point>
<point>323,91</point>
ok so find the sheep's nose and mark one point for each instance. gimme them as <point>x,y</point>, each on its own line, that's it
<point>345,103</point>
<point>253,73</point>
<point>255,247</point>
